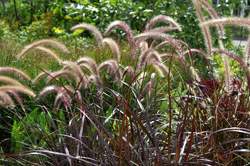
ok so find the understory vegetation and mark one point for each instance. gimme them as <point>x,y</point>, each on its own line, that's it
<point>130,95</point>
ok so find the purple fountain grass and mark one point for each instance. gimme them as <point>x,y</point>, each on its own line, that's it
<point>221,32</point>
<point>148,56</point>
<point>40,76</point>
<point>205,29</point>
<point>62,98</point>
<point>20,89</point>
<point>129,34</point>
<point>68,75</point>
<point>162,19</point>
<point>214,15</point>
<point>95,79</point>
<point>15,71</point>
<point>89,63</point>
<point>97,34</point>
<point>112,66</point>
<point>74,67</point>
<point>198,51</point>
<point>10,81</point>
<point>6,101</point>
<point>163,29</point>
<point>50,42</point>
<point>143,46</point>
<point>159,36</point>
<point>162,69</point>
<point>48,90</point>
<point>53,89</point>
<point>17,98</point>
<point>114,47</point>
<point>236,21</point>
<point>129,70</point>
<point>149,87</point>
<point>245,22</point>
<point>49,52</point>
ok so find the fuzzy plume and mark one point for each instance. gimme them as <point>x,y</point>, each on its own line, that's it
<point>20,89</point>
<point>121,25</point>
<point>162,19</point>
<point>75,68</point>
<point>129,33</point>
<point>50,42</point>
<point>8,80</point>
<point>49,52</point>
<point>88,63</point>
<point>163,29</point>
<point>129,70</point>
<point>113,46</point>
<point>48,90</point>
<point>17,98</point>
<point>148,88</point>
<point>161,69</point>
<point>15,71</point>
<point>228,21</point>
<point>62,98</point>
<point>194,50</point>
<point>214,15</point>
<point>147,56</point>
<point>205,30</point>
<point>63,73</point>
<point>143,46</point>
<point>40,76</point>
<point>97,34</point>
<point>56,89</point>
<point>95,79</point>
<point>194,74</point>
<point>112,66</point>
<point>6,101</point>
<point>159,36</point>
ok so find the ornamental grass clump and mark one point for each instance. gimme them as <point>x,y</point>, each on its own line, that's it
<point>148,105</point>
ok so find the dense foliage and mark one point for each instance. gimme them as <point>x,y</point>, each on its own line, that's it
<point>43,18</point>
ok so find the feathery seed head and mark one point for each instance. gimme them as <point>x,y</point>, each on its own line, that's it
<point>15,71</point>
<point>6,101</point>
<point>75,68</point>
<point>227,21</point>
<point>40,76</point>
<point>62,73</point>
<point>9,81</point>
<point>15,88</point>
<point>113,46</point>
<point>50,42</point>
<point>89,63</point>
<point>164,19</point>
<point>125,27</point>
<point>112,66</point>
<point>129,70</point>
<point>161,69</point>
<point>147,56</point>
<point>143,46</point>
<point>97,34</point>
<point>159,36</point>
<point>49,52</point>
